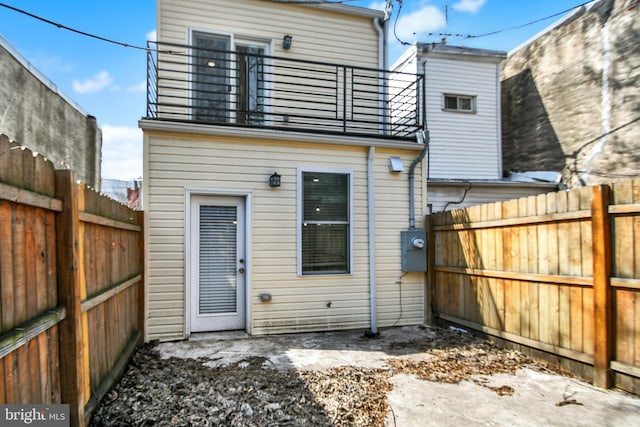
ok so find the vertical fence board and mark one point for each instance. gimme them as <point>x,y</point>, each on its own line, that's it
<point>602,292</point>
<point>636,269</point>
<point>72,360</point>
<point>574,261</point>
<point>21,371</point>
<point>30,275</point>
<point>522,262</point>
<point>586,196</point>
<point>19,266</point>
<point>40,261</point>
<point>10,368</point>
<point>552,268</point>
<point>624,326</point>
<point>3,381</point>
<point>563,268</point>
<point>43,368</point>
<point>6,266</point>
<point>34,372</point>
<point>582,321</point>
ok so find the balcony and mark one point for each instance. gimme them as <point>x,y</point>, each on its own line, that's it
<point>245,88</point>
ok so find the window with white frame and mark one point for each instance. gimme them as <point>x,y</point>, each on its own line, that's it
<point>460,103</point>
<point>325,222</point>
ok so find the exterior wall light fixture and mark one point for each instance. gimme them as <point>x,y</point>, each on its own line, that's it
<point>274,180</point>
<point>286,42</point>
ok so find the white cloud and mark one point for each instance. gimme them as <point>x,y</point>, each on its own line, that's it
<point>152,35</point>
<point>415,25</point>
<point>121,152</point>
<point>471,6</point>
<point>140,87</point>
<point>93,84</point>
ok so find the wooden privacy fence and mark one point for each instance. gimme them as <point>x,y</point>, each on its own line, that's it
<point>557,275</point>
<point>71,286</point>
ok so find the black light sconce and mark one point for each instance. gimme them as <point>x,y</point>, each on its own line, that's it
<point>286,42</point>
<point>274,180</point>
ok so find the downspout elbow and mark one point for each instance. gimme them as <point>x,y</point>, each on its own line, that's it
<point>422,138</point>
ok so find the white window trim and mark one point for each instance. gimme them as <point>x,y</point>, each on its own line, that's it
<point>299,218</point>
<point>473,98</point>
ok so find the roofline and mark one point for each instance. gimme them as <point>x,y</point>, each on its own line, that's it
<point>446,49</point>
<point>343,8</point>
<point>40,76</point>
<point>443,182</point>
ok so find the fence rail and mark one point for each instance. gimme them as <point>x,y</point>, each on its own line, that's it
<point>556,274</point>
<point>71,285</point>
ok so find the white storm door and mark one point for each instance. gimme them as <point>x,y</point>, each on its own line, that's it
<point>217,263</point>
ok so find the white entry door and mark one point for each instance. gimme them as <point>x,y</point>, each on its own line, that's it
<point>217,263</point>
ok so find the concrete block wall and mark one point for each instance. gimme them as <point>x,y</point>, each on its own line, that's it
<point>34,113</point>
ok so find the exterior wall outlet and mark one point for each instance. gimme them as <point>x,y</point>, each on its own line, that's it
<point>265,297</point>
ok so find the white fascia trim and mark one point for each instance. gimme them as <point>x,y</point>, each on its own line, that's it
<point>277,135</point>
<point>348,10</point>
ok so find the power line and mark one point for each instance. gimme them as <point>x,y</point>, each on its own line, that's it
<point>73,30</point>
<point>395,23</point>
<point>528,23</point>
<point>472,36</point>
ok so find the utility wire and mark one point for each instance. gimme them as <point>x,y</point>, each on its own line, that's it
<point>471,36</point>
<point>395,24</point>
<point>73,30</point>
<point>529,23</point>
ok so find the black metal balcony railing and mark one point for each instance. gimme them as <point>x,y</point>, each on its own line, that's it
<point>245,88</point>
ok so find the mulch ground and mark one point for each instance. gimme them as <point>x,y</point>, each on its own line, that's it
<point>185,392</point>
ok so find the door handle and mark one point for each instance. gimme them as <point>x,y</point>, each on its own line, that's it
<point>241,270</point>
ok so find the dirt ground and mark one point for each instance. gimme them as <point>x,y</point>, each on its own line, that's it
<point>411,376</point>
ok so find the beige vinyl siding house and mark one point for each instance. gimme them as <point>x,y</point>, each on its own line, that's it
<point>327,33</point>
<point>226,250</point>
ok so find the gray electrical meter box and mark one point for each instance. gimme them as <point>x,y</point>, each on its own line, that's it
<point>414,250</point>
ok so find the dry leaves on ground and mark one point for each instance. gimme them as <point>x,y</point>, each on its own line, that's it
<point>185,392</point>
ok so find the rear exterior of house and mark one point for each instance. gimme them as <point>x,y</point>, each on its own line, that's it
<point>463,115</point>
<point>271,203</point>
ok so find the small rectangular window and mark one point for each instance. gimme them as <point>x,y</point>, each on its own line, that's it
<point>461,103</point>
<point>325,223</point>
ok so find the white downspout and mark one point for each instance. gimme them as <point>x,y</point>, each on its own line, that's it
<point>382,65</point>
<point>381,29</point>
<point>373,298</point>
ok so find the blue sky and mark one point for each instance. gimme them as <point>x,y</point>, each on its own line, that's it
<point>108,81</point>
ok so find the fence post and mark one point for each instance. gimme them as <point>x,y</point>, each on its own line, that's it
<point>602,299</point>
<point>142,303</point>
<point>431,273</point>
<point>73,376</point>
